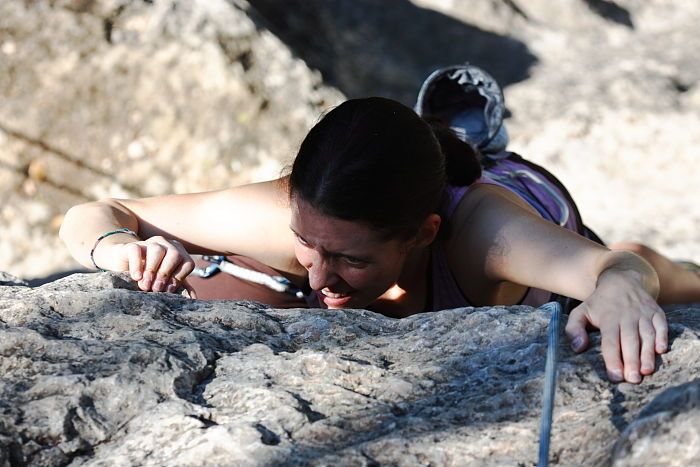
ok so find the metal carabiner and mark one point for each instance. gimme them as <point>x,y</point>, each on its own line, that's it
<point>219,263</point>
<point>212,269</point>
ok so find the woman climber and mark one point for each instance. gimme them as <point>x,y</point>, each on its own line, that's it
<point>385,211</point>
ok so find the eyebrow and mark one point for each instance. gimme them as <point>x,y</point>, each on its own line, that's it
<point>332,253</point>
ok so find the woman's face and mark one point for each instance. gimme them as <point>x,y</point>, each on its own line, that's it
<point>349,264</point>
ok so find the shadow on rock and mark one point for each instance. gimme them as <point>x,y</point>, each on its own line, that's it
<point>664,430</point>
<point>387,48</point>
<point>612,12</point>
<point>38,281</point>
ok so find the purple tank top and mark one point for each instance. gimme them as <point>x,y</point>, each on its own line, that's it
<point>446,293</point>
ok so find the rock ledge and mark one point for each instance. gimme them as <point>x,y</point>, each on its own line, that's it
<point>95,372</point>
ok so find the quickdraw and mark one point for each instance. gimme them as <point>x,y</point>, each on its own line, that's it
<point>221,264</point>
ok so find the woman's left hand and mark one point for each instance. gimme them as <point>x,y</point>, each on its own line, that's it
<point>501,236</point>
<point>633,327</point>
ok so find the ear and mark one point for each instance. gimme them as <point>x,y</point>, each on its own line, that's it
<point>426,232</point>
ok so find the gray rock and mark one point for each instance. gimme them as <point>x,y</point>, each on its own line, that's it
<point>133,98</point>
<point>364,48</point>
<point>94,372</point>
<point>121,98</point>
<point>603,94</point>
<point>9,279</point>
<point>666,432</point>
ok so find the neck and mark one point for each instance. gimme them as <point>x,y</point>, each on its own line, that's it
<point>408,295</point>
<point>413,274</point>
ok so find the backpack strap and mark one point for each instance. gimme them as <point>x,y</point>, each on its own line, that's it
<point>537,186</point>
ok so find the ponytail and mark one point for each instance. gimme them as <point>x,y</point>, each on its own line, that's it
<point>462,160</point>
<point>375,160</point>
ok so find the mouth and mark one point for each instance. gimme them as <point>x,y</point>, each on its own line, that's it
<point>325,291</point>
<point>334,299</point>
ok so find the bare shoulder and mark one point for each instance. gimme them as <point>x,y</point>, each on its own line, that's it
<point>479,208</point>
<point>475,243</point>
<point>482,195</point>
<point>498,242</point>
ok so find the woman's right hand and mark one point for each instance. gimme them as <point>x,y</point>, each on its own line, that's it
<point>156,264</point>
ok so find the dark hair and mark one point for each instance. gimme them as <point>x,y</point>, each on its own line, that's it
<point>375,160</point>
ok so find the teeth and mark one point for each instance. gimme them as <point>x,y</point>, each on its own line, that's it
<point>330,294</point>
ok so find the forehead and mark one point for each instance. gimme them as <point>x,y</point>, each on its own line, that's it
<point>331,233</point>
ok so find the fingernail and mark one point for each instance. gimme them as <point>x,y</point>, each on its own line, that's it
<point>577,343</point>
<point>147,279</point>
<point>615,376</point>
<point>172,288</point>
<point>634,377</point>
<point>137,275</point>
<point>158,285</point>
<point>663,348</point>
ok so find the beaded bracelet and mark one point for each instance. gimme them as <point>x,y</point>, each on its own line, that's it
<point>105,235</point>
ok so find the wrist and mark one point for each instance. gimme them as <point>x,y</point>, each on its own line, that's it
<point>98,254</point>
<point>632,269</point>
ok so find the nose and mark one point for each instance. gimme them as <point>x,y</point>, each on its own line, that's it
<point>321,273</point>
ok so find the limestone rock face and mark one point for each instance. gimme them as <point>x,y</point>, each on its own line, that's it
<point>665,432</point>
<point>94,372</point>
<point>133,98</point>
<point>611,106</point>
<point>129,97</point>
<point>9,279</point>
<point>364,48</point>
<point>605,95</point>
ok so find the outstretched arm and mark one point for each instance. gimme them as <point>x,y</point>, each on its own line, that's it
<point>618,289</point>
<point>251,220</point>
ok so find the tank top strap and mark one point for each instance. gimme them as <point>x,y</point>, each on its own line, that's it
<point>446,293</point>
<point>454,194</point>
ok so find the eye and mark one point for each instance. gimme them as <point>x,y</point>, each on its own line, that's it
<point>355,262</point>
<point>301,240</point>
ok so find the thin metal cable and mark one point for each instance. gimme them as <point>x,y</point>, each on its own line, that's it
<point>550,380</point>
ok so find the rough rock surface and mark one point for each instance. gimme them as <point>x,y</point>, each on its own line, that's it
<point>135,98</point>
<point>9,279</point>
<point>93,372</point>
<point>128,97</point>
<point>604,94</point>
